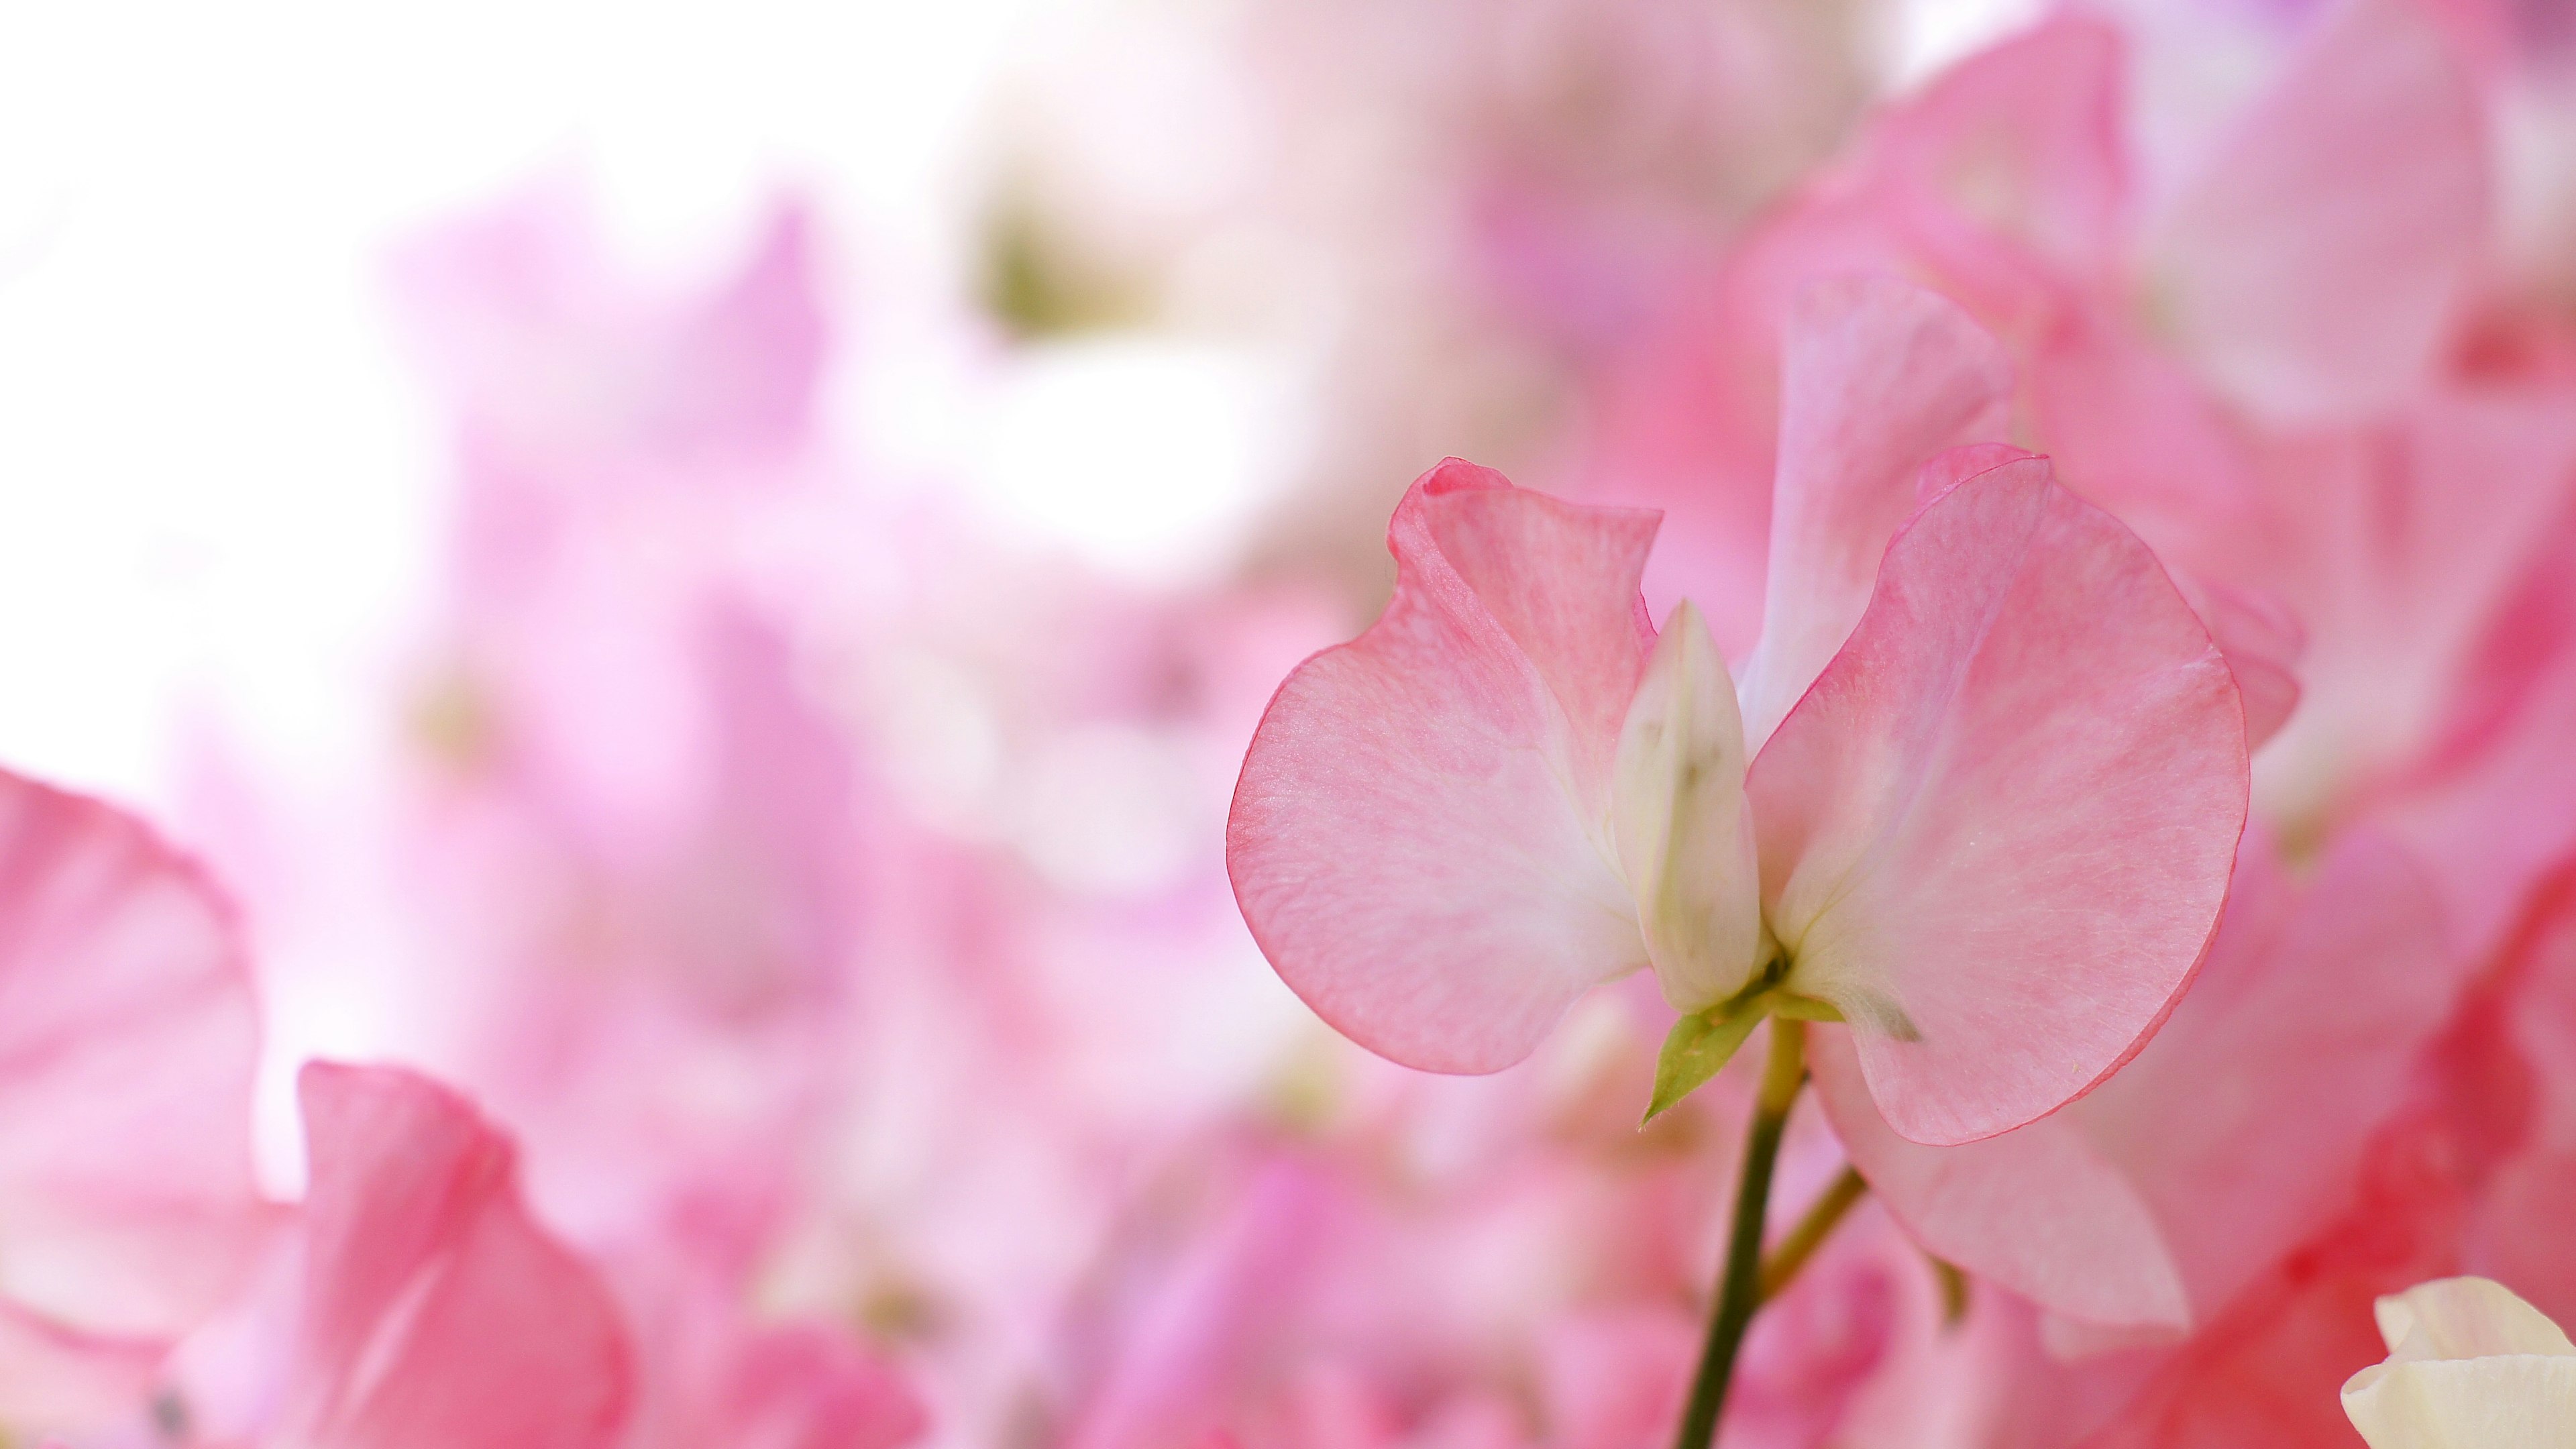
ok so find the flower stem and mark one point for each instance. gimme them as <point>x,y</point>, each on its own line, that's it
<point>1739,1292</point>
<point>1811,1231</point>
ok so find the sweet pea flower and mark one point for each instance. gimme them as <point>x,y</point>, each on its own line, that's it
<point>1992,801</point>
<point>2469,1364</point>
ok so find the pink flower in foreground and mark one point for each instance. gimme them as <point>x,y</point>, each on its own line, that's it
<point>128,1038</point>
<point>1993,797</point>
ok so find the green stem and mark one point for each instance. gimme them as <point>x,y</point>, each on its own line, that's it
<point>1811,1231</point>
<point>1739,1292</point>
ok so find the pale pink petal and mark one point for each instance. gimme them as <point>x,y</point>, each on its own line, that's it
<point>1877,377</point>
<point>1997,831</point>
<point>1419,837</point>
<point>437,1312</point>
<point>128,1038</point>
<point>2312,266</point>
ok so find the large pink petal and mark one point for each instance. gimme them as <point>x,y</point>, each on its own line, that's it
<point>2313,264</point>
<point>437,1312</point>
<point>1998,830</point>
<point>1878,377</point>
<point>1418,840</point>
<point>128,1038</point>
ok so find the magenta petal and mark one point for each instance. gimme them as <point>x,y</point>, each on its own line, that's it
<point>1997,832</point>
<point>2312,266</point>
<point>1877,377</point>
<point>437,1311</point>
<point>1419,838</point>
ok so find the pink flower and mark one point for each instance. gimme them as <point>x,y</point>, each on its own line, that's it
<point>1992,803</point>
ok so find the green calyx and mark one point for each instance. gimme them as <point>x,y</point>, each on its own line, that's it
<point>1701,1044</point>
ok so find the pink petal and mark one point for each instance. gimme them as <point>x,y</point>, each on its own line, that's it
<point>128,1039</point>
<point>1998,830</point>
<point>2312,267</point>
<point>1877,377</point>
<point>437,1312</point>
<point>1417,840</point>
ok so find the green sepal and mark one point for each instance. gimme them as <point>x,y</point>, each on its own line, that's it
<point>1699,1046</point>
<point>1803,1008</point>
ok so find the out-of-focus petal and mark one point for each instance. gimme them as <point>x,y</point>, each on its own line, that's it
<point>2312,265</point>
<point>1877,377</point>
<point>1997,832</point>
<point>1679,820</point>
<point>128,1038</point>
<point>1418,840</point>
<point>437,1311</point>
